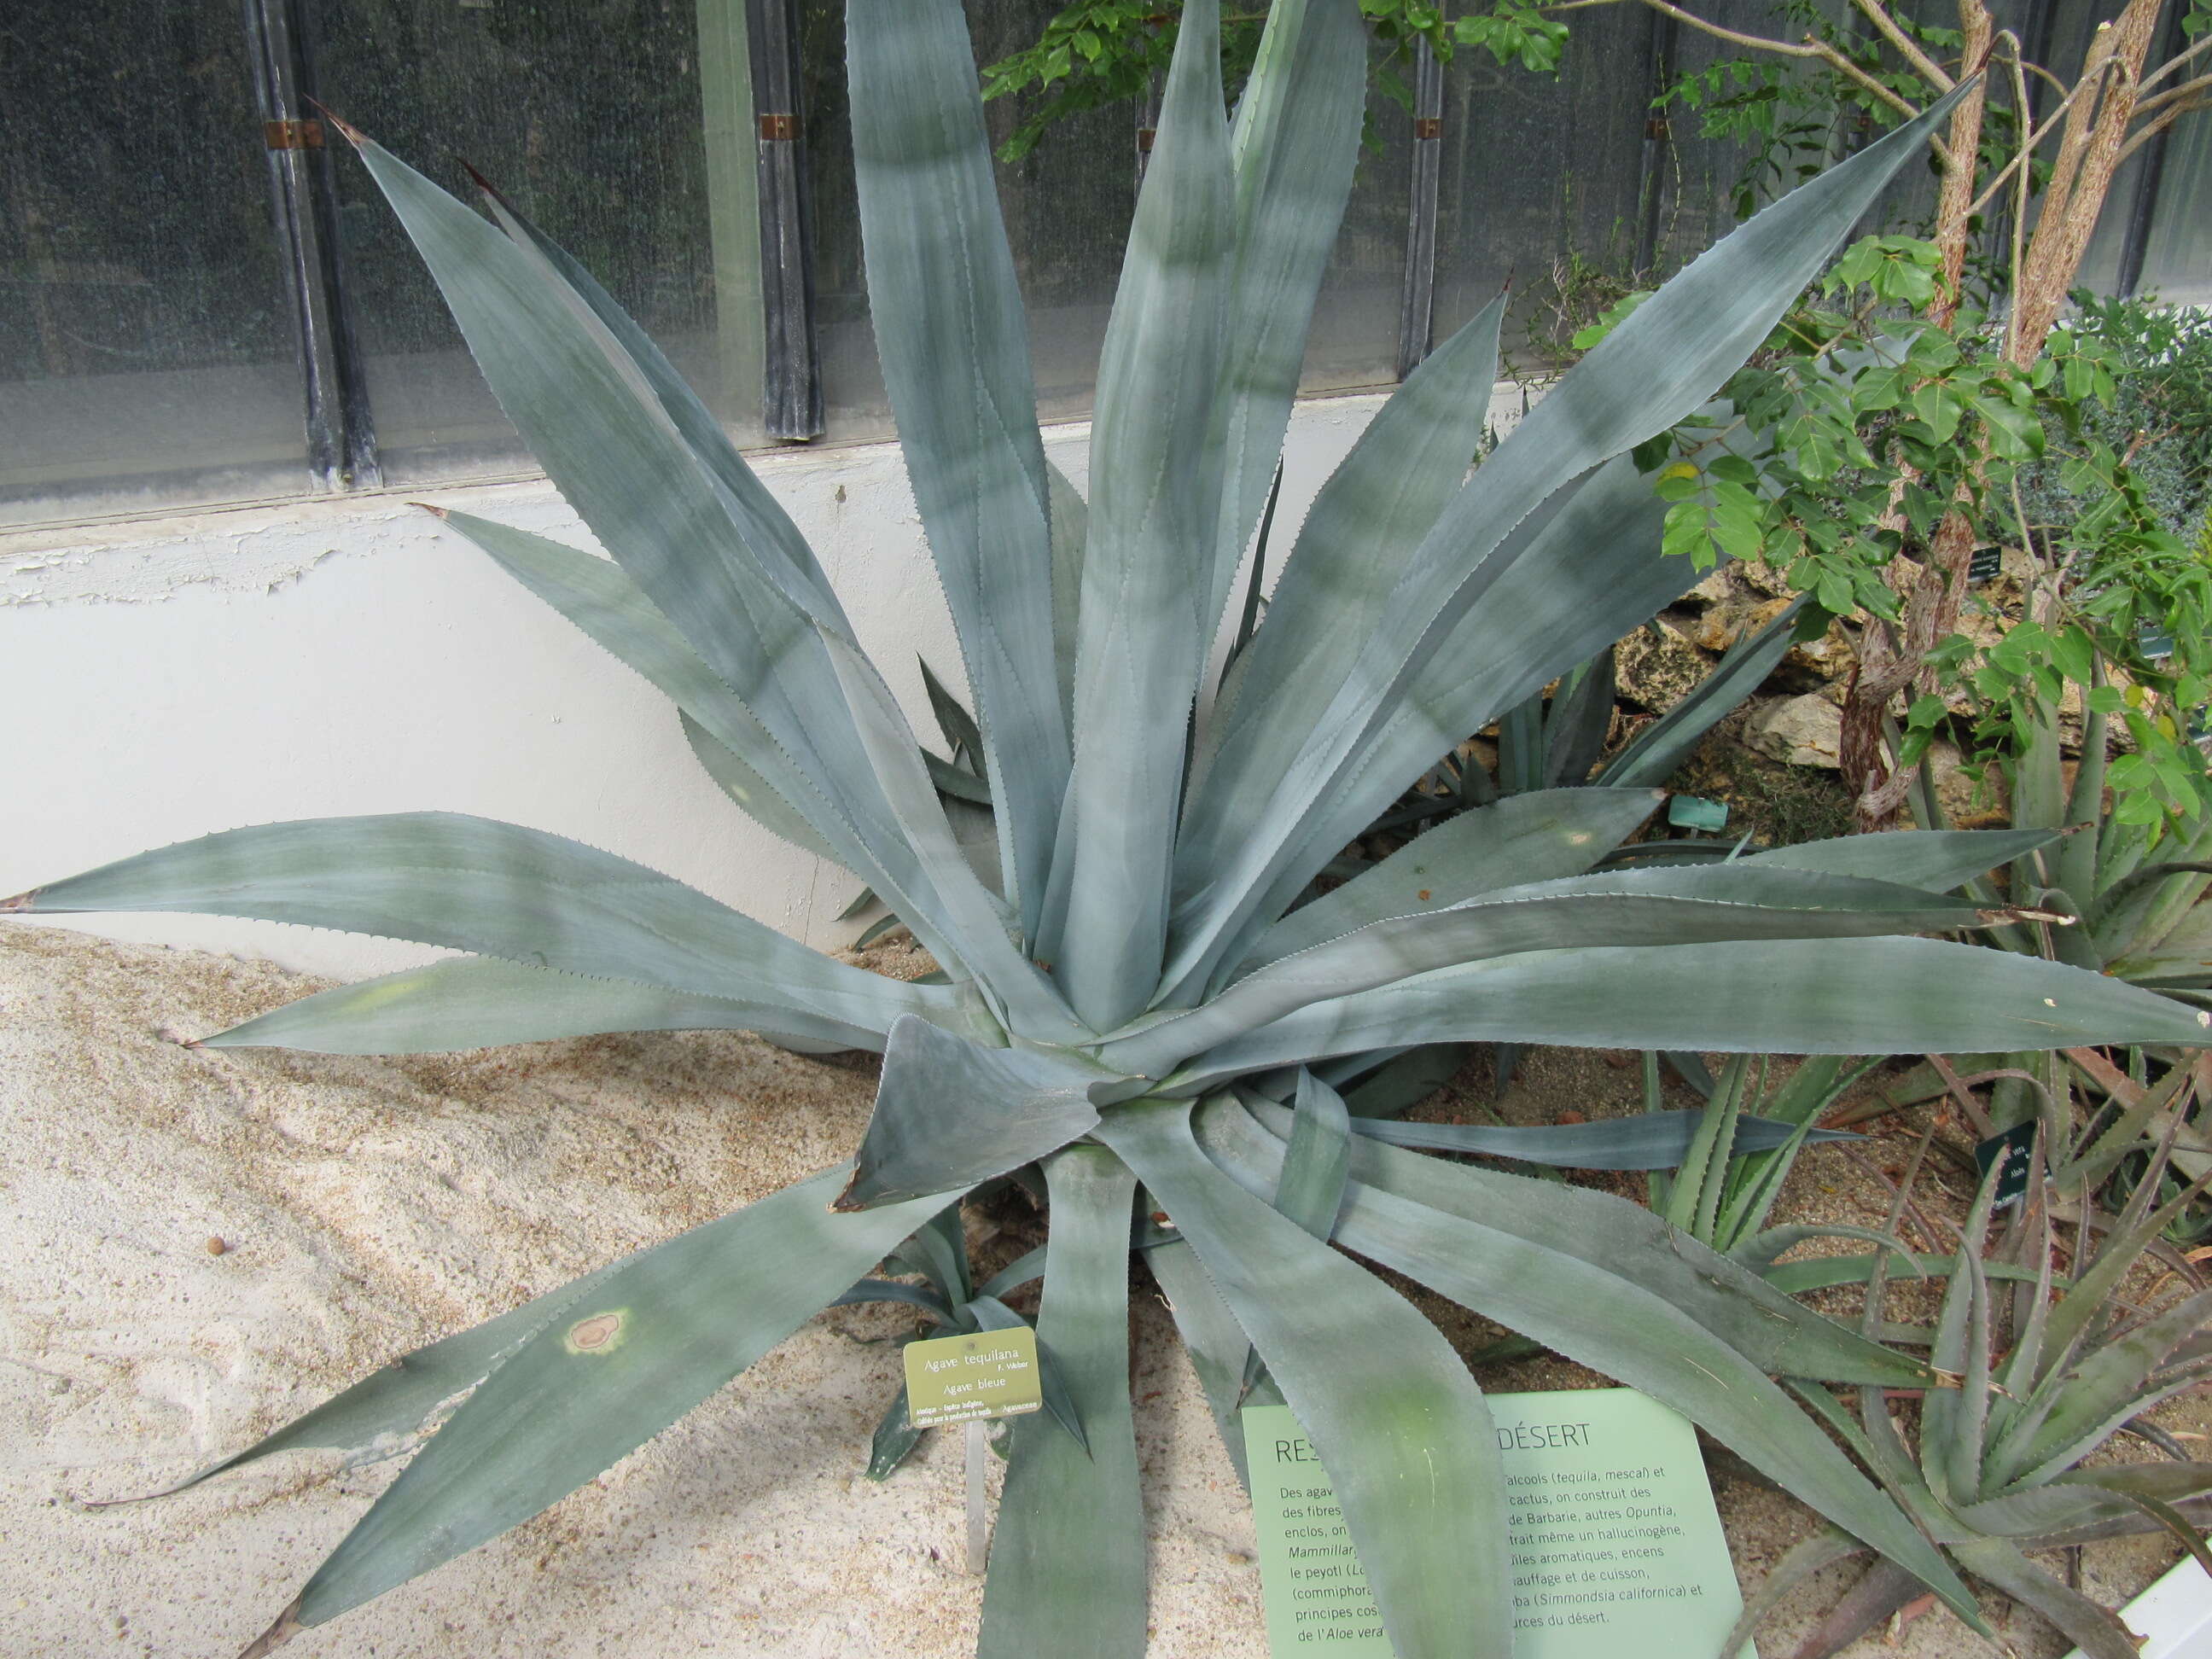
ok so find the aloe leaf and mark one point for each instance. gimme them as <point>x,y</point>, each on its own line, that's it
<point>1396,1420</point>
<point>950,332</point>
<point>484,1003</point>
<point>2096,1630</point>
<point>1155,488</point>
<point>1650,372</point>
<point>499,890</point>
<point>1376,506</point>
<point>2111,1384</point>
<point>608,605</point>
<point>1673,908</point>
<point>1936,860</point>
<point>1293,145</point>
<point>1837,996</point>
<point>1737,1306</point>
<point>652,1340</point>
<point>1653,1140</point>
<point>1067,1560</point>
<point>950,1114</point>
<point>1600,1319</point>
<point>1664,744</point>
<point>1537,836</point>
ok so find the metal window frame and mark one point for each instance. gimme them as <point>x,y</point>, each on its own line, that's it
<point>791,392</point>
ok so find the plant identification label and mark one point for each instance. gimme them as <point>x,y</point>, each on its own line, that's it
<point>1613,1543</point>
<point>957,1379</point>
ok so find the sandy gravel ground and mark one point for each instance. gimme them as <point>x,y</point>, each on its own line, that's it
<point>199,1245</point>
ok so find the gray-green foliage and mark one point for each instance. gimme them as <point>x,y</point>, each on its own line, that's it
<point>2049,1371</point>
<point>1122,968</point>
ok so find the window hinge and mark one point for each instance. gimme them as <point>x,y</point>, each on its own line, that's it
<point>1427,126</point>
<point>776,128</point>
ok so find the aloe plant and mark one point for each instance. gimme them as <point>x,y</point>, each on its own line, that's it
<point>1138,954</point>
<point>2050,1372</point>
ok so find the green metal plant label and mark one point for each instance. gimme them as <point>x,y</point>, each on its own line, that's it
<point>1615,1545</point>
<point>955,1379</point>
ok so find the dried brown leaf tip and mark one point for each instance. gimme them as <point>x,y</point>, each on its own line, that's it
<point>21,901</point>
<point>287,1626</point>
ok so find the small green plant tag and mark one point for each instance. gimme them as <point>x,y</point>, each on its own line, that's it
<point>958,1379</point>
<point>1694,812</point>
<point>1613,1542</point>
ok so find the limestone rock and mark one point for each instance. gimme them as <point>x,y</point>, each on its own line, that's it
<point>1658,666</point>
<point>1801,731</point>
<point>1732,618</point>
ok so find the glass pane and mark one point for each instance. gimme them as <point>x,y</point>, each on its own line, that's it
<point>147,352</point>
<point>2178,256</point>
<point>1066,205</point>
<point>1355,327</point>
<point>589,119</point>
<point>1539,172</point>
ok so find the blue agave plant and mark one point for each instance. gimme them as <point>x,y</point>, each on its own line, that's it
<point>1144,947</point>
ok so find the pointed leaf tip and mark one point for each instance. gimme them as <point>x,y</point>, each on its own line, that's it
<point>25,900</point>
<point>352,134</point>
<point>287,1626</point>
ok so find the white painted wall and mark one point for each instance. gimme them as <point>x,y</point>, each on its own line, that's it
<point>168,677</point>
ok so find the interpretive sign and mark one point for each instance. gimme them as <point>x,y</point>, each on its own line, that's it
<point>960,1379</point>
<point>1613,1544</point>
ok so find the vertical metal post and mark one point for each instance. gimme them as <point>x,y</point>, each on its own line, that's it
<point>1148,127</point>
<point>725,110</point>
<point>341,435</point>
<point>1651,179</point>
<point>1417,305</point>
<point>791,387</point>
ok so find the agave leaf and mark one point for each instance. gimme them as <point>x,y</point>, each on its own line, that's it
<point>975,918</point>
<point>375,1418</point>
<point>603,600</point>
<point>1405,1080</point>
<point>1212,1337</point>
<point>1753,1317</point>
<point>1381,500</point>
<point>1318,1160</point>
<point>1071,534</point>
<point>1849,996</point>
<point>1393,1415</point>
<point>1664,744</point>
<point>712,551</point>
<point>1577,721</point>
<point>1293,145</point>
<point>894,1440</point>
<point>1650,372</point>
<point>477,885</point>
<point>753,795</point>
<point>1067,1560</point>
<point>1675,907</point>
<point>1156,489</point>
<point>986,1313</point>
<point>652,1340</point>
<point>950,1114</point>
<point>484,1003</point>
<point>1934,860</point>
<point>1538,836</point>
<point>953,718</point>
<point>1651,1140</point>
<point>869,1291</point>
<point>951,331</point>
<point>1597,1317</point>
<point>1824,1549</point>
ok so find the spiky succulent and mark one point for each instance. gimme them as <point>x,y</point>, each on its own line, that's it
<point>1141,952</point>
